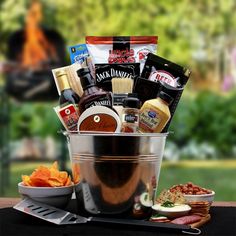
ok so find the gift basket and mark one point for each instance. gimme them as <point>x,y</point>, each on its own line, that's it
<point>117,99</point>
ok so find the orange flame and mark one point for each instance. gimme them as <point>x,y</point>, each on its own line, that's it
<point>36,49</point>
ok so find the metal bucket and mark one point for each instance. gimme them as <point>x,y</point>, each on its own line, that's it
<point>118,172</point>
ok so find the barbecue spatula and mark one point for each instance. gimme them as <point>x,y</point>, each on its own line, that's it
<point>61,217</point>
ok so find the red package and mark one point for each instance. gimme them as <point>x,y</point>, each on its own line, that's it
<point>121,49</point>
<point>68,116</point>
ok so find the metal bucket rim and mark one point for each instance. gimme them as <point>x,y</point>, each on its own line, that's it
<point>93,134</point>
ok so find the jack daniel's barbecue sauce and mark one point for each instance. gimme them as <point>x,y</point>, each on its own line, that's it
<point>92,96</point>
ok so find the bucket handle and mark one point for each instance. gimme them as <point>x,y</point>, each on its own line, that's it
<point>65,133</point>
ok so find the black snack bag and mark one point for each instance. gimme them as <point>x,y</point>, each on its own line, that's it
<point>159,69</point>
<point>105,72</point>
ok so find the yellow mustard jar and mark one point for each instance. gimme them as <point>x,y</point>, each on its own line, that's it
<point>155,114</point>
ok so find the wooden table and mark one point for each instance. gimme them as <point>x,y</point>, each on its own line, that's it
<point>9,202</point>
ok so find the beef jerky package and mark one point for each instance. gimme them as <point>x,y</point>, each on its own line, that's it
<point>171,79</point>
<point>159,69</point>
<point>121,49</point>
<point>105,73</point>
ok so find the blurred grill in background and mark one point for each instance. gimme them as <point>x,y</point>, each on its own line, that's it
<point>32,53</point>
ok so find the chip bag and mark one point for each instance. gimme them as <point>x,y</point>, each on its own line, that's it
<point>121,49</point>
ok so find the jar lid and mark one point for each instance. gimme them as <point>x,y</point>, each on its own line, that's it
<point>166,97</point>
<point>99,119</point>
<point>132,101</point>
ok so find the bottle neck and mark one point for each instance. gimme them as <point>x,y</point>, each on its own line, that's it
<point>63,82</point>
<point>91,89</point>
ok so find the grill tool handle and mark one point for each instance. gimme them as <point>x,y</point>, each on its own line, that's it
<point>130,222</point>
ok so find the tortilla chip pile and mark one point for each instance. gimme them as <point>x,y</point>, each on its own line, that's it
<point>47,177</point>
<point>174,197</point>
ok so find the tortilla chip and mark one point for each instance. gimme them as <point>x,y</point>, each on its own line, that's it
<point>54,165</point>
<point>26,180</point>
<point>55,182</point>
<point>68,182</point>
<point>47,177</point>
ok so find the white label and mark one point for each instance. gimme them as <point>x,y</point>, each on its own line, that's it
<point>161,75</point>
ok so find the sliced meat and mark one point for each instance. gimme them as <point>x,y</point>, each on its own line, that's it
<point>184,220</point>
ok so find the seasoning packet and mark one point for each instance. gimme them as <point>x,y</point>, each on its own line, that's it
<point>159,69</point>
<point>121,49</point>
<point>68,116</point>
<point>105,72</point>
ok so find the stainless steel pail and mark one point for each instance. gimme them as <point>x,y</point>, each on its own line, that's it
<point>118,172</point>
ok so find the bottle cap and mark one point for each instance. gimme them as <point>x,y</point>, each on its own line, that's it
<point>61,72</point>
<point>164,96</point>
<point>86,78</point>
<point>62,79</point>
<point>132,101</point>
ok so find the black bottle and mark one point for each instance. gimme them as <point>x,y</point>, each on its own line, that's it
<point>68,96</point>
<point>92,96</point>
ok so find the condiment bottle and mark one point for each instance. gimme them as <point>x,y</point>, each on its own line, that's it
<point>155,114</point>
<point>130,114</point>
<point>92,96</point>
<point>68,96</point>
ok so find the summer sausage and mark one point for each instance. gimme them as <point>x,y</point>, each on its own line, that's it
<point>184,220</point>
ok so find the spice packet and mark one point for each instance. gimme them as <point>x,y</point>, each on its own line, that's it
<point>105,73</point>
<point>159,69</point>
<point>68,116</point>
<point>121,49</point>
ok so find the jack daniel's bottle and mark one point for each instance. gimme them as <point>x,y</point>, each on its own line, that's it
<point>92,96</point>
<point>68,96</point>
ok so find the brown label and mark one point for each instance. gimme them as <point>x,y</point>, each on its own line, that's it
<point>99,122</point>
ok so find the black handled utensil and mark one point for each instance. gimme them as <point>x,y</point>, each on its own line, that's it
<point>61,217</point>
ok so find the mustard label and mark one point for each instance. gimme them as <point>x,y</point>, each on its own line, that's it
<point>149,120</point>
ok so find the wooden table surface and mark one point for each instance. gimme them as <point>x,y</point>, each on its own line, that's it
<point>9,202</point>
